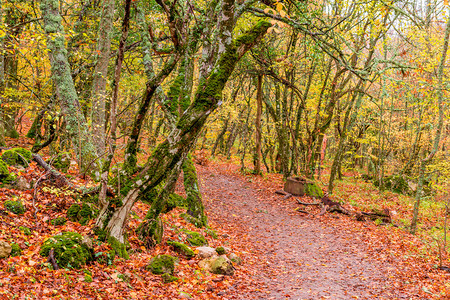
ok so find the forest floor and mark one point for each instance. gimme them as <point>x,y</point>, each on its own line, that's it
<point>296,256</point>
<point>286,254</point>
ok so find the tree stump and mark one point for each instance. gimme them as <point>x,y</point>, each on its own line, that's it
<point>295,186</point>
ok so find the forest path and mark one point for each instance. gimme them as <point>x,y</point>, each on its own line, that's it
<point>291,256</point>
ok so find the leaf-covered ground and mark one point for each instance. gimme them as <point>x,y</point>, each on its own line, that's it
<point>286,254</point>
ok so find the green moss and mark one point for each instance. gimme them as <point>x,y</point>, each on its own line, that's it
<point>396,183</point>
<point>25,153</point>
<point>211,233</point>
<point>222,266</point>
<point>167,278</point>
<point>25,230</point>
<point>4,172</point>
<point>14,206</point>
<point>100,233</point>
<point>10,157</point>
<point>162,264</point>
<point>190,219</point>
<point>182,249</point>
<point>15,250</point>
<point>85,213</point>
<point>195,238</point>
<point>58,221</point>
<point>62,162</point>
<point>221,250</point>
<point>312,189</point>
<point>151,232</point>
<point>72,212</point>
<point>88,278</point>
<point>120,249</point>
<point>69,251</point>
<point>17,156</point>
<point>81,214</point>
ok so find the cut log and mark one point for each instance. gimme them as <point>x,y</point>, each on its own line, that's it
<point>327,206</point>
<point>383,215</point>
<point>295,186</point>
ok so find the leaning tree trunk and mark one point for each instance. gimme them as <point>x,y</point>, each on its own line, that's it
<point>75,122</point>
<point>170,153</point>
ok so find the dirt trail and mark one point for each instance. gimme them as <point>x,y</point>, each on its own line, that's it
<point>297,257</point>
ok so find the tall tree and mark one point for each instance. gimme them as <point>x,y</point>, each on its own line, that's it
<point>65,90</point>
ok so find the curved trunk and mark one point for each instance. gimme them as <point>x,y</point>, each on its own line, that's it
<point>170,153</point>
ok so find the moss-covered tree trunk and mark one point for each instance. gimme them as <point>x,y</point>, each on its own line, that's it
<point>170,153</point>
<point>98,95</point>
<point>195,207</point>
<point>75,122</point>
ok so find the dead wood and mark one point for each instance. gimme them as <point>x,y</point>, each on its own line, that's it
<point>304,212</point>
<point>281,192</point>
<point>384,215</point>
<point>52,173</point>
<point>286,194</point>
<point>306,203</point>
<point>327,206</point>
<point>51,259</point>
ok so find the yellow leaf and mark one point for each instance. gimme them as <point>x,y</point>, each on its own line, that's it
<point>282,13</point>
<point>279,6</point>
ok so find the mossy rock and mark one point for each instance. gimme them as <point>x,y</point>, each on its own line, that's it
<point>4,172</point>
<point>25,153</point>
<point>62,162</point>
<point>14,206</point>
<point>167,278</point>
<point>312,189</point>
<point>17,157</point>
<point>15,250</point>
<point>223,266</point>
<point>196,239</point>
<point>162,264</point>
<point>58,221</point>
<point>25,230</point>
<point>182,249</point>
<point>69,250</point>
<point>80,213</point>
<point>221,250</point>
<point>396,183</point>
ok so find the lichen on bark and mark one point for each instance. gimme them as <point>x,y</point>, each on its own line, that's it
<point>76,124</point>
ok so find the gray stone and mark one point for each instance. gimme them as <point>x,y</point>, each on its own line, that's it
<point>222,265</point>
<point>206,252</point>
<point>22,184</point>
<point>207,262</point>
<point>235,259</point>
<point>5,249</point>
<point>185,295</point>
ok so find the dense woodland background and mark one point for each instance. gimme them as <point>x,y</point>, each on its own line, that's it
<point>327,90</point>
